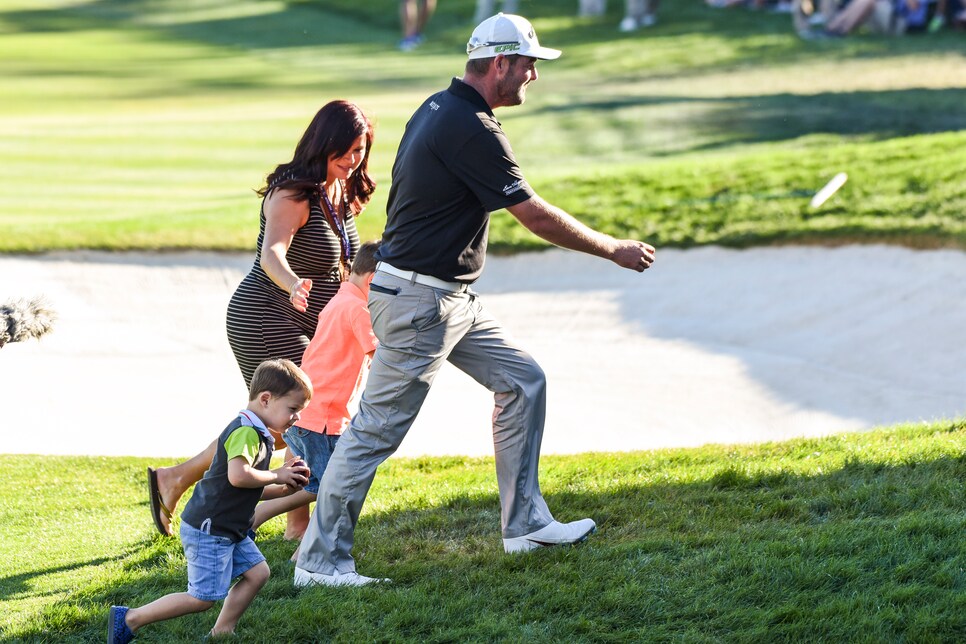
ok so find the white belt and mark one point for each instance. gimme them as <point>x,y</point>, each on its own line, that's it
<point>419,278</point>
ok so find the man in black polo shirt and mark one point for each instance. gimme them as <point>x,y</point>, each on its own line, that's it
<point>454,166</point>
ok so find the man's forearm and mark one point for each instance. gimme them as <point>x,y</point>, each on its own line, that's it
<point>556,226</point>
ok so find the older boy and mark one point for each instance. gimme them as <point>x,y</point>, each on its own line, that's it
<point>218,516</point>
<point>337,361</point>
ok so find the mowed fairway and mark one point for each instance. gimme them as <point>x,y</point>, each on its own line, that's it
<point>148,125</point>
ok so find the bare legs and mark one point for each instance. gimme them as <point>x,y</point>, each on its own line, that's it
<point>239,598</point>
<point>293,503</point>
<point>174,481</point>
<point>296,523</point>
<point>413,16</point>
<point>178,604</point>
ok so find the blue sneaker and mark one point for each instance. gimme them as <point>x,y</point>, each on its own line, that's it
<point>117,629</point>
<point>410,43</point>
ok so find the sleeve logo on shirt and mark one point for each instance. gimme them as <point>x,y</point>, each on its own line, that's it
<point>513,187</point>
<point>433,105</point>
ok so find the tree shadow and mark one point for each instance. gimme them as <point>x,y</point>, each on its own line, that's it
<point>816,331</point>
<point>727,121</point>
<point>749,549</point>
<point>20,583</point>
<point>289,25</point>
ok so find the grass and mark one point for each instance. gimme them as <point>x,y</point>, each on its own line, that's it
<point>147,125</point>
<point>848,538</point>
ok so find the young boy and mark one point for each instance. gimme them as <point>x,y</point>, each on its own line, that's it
<point>215,522</point>
<point>337,360</point>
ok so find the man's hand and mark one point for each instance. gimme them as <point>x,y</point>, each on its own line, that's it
<point>632,254</point>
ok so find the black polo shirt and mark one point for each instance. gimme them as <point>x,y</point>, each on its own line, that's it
<point>454,166</point>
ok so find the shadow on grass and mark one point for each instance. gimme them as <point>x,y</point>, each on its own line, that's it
<point>14,585</point>
<point>728,121</point>
<point>739,554</point>
<point>753,36</point>
<point>282,26</point>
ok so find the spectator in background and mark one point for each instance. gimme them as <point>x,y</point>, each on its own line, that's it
<point>486,8</point>
<point>414,15</point>
<point>881,16</point>
<point>948,12</point>
<point>639,13</point>
<point>939,17</point>
<point>590,8</point>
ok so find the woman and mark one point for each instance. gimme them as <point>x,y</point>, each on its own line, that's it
<point>307,237</point>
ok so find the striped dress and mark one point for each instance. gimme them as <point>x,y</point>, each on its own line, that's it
<point>262,323</point>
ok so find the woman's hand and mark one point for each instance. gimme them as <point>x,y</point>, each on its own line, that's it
<point>298,294</point>
<point>283,218</point>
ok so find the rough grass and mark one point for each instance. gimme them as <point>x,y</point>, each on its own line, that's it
<point>147,125</point>
<point>848,538</point>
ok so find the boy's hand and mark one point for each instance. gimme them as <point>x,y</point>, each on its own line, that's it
<point>294,473</point>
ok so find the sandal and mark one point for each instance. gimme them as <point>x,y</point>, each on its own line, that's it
<point>157,505</point>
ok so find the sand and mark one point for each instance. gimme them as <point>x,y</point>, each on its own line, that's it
<point>709,346</point>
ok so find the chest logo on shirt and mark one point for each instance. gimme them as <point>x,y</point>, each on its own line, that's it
<point>513,187</point>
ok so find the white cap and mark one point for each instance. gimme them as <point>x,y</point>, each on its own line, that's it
<point>508,35</point>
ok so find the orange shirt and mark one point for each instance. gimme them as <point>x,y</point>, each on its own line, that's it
<point>337,361</point>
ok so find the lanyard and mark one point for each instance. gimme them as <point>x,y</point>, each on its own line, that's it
<point>338,223</point>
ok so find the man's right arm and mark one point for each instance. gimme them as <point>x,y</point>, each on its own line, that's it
<point>561,229</point>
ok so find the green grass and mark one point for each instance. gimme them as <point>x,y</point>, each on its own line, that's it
<point>854,537</point>
<point>147,124</point>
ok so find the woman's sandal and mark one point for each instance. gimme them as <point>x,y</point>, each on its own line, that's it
<point>158,508</point>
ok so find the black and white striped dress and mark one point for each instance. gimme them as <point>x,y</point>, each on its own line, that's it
<point>262,323</point>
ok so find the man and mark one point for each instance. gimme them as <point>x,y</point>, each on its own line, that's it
<point>454,166</point>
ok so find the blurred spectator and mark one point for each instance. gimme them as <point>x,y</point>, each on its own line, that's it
<point>911,15</point>
<point>953,12</point>
<point>413,15</point>
<point>724,4</point>
<point>639,13</point>
<point>939,18</point>
<point>591,8</point>
<point>882,16</point>
<point>487,8</point>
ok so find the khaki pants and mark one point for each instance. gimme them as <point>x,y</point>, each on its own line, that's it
<point>418,329</point>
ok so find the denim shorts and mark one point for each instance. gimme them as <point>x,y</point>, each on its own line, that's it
<point>214,561</point>
<point>314,448</point>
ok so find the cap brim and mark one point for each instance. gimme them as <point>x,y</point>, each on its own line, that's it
<point>543,53</point>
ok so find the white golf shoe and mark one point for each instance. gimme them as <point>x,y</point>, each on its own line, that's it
<point>305,578</point>
<point>554,534</point>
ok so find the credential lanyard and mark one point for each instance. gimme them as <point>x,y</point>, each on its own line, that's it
<point>338,223</point>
